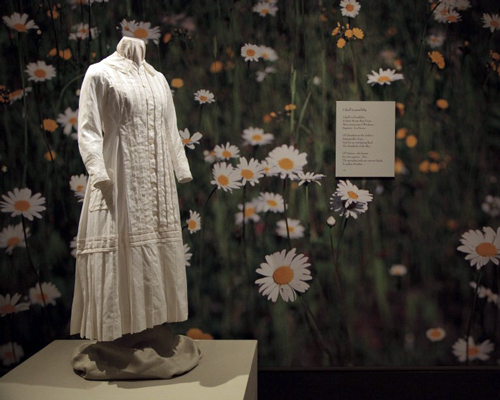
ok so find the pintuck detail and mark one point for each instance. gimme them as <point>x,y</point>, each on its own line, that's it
<point>130,272</point>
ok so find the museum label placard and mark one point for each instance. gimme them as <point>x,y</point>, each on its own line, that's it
<point>365,139</point>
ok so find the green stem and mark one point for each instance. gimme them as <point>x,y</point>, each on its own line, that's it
<point>469,325</point>
<point>285,214</point>
<point>314,325</point>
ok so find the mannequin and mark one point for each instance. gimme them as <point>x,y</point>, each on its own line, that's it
<point>130,274</point>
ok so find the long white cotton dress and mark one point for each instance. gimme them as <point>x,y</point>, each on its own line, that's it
<point>130,270</point>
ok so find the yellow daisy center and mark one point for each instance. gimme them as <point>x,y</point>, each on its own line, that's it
<point>7,309</point>
<point>223,180</point>
<point>349,7</point>
<point>49,125</point>
<point>486,249</point>
<point>264,11</point>
<point>20,27</point>
<point>72,121</point>
<point>13,241</point>
<point>39,296</point>
<point>473,351</point>
<point>40,73</point>
<point>8,355</point>
<point>257,137</point>
<point>247,174</point>
<point>435,334</point>
<point>384,78</point>
<point>203,98</point>
<point>185,141</point>
<point>291,229</point>
<point>283,275</point>
<point>141,33</point>
<point>451,18</point>
<point>250,52</point>
<point>192,224</point>
<point>286,164</point>
<point>226,154</point>
<point>79,188</point>
<point>272,203</point>
<point>352,195</point>
<point>495,24</point>
<point>249,211</point>
<point>22,205</point>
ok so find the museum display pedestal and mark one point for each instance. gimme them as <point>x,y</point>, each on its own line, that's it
<point>227,370</point>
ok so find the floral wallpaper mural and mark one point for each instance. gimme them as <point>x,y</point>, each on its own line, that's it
<point>322,271</point>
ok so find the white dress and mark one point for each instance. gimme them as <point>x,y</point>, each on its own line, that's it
<point>130,269</point>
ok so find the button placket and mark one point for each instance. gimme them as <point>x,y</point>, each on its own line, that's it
<point>151,141</point>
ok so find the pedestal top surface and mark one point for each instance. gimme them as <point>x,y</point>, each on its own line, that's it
<point>223,373</point>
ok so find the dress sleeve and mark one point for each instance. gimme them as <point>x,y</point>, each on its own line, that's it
<point>176,148</point>
<point>90,136</point>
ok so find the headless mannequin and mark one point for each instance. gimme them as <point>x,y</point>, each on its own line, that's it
<point>154,353</point>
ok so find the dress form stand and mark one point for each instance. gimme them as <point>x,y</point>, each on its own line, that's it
<point>132,291</point>
<point>155,353</point>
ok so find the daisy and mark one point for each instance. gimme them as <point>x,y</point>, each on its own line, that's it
<point>484,292</point>
<point>268,53</point>
<point>19,22</point>
<point>78,184</point>
<point>331,221</point>
<point>73,247</point>
<point>40,71</point>
<point>284,274</point>
<point>351,194</point>
<point>68,120</point>
<point>271,202</point>
<point>491,22</point>
<point>441,12</point>
<point>287,160</point>
<point>269,169</point>
<point>256,136</point>
<point>11,353</point>
<point>187,255</point>
<point>250,171</point>
<point>435,334</point>
<point>227,151</point>
<point>8,305</point>
<point>19,94</point>
<point>50,294</point>
<point>204,96</point>
<point>452,16</point>
<point>295,229</point>
<point>491,206</point>
<point>261,75</point>
<point>462,5</point>
<point>209,156</point>
<point>141,30</point>
<point>265,8</point>
<point>225,177</point>
<point>398,270</point>
<point>308,177</point>
<point>435,41</point>
<point>188,140</point>
<point>250,212</point>
<point>350,8</point>
<point>194,222</point>
<point>82,31</point>
<point>481,248</point>
<point>384,77</point>
<point>352,210</point>
<point>476,351</point>
<point>251,52</point>
<point>21,202</point>
<point>13,236</point>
